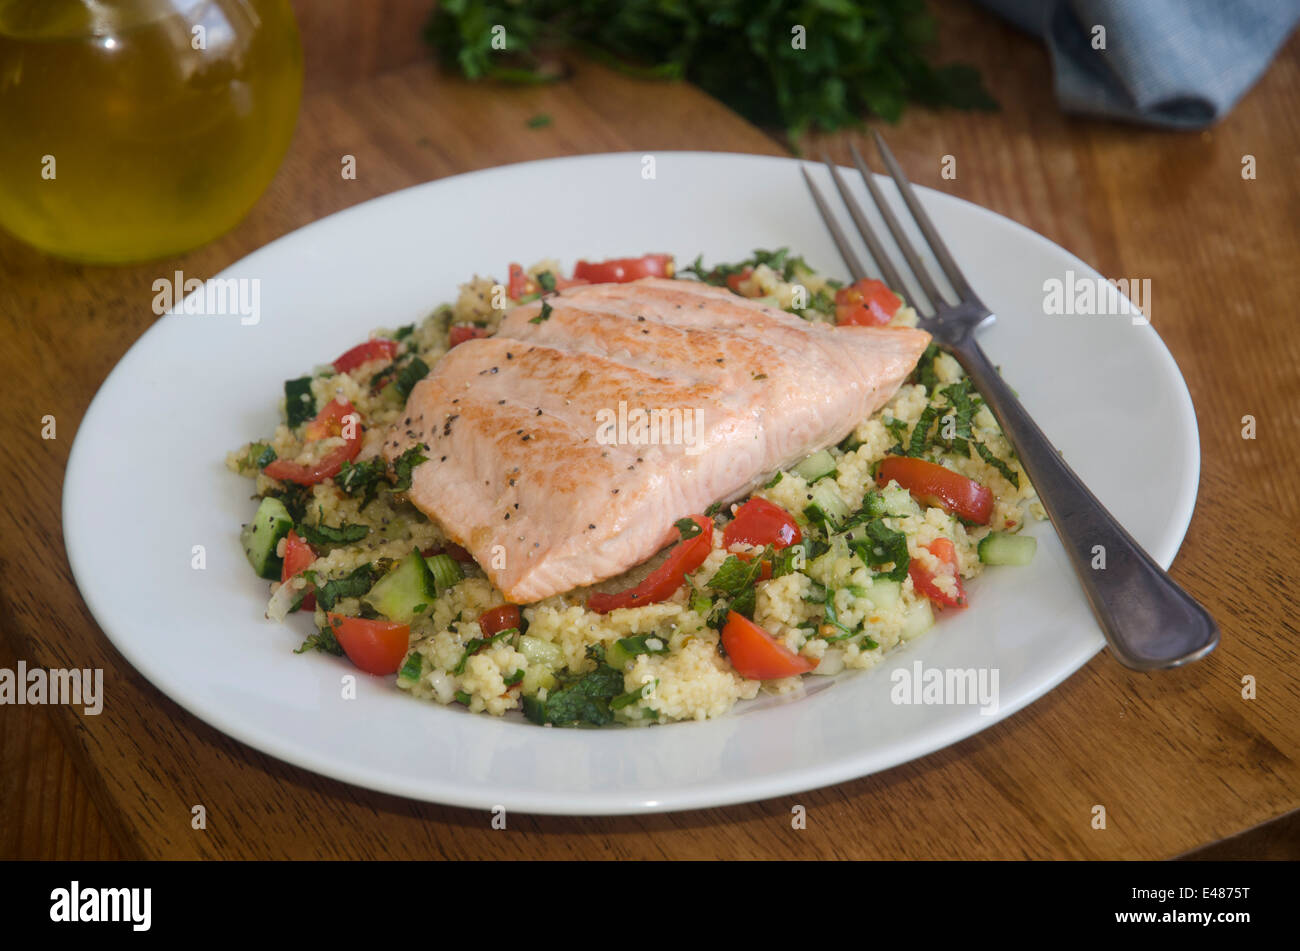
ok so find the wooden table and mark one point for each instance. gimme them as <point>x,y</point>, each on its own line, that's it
<point>1179,759</point>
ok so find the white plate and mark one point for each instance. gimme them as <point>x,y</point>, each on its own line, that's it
<point>146,483</point>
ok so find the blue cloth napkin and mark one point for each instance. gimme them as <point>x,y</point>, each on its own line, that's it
<point>1176,63</point>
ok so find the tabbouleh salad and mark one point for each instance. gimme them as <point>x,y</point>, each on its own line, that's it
<point>830,565</point>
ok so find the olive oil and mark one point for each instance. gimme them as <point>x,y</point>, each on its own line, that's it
<point>136,129</point>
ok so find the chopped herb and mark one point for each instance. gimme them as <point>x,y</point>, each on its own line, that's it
<point>515,678</point>
<point>477,644</point>
<point>987,455</point>
<point>774,481</point>
<point>547,281</point>
<point>713,510</point>
<point>412,668</point>
<point>362,478</point>
<point>632,696</point>
<point>688,527</point>
<point>579,699</point>
<point>404,464</point>
<point>921,431</point>
<point>295,499</point>
<point>958,396</point>
<point>412,373</point>
<point>539,121</point>
<point>640,644</point>
<point>924,371</point>
<point>353,585</point>
<point>832,618</point>
<point>789,560</point>
<point>259,456</point>
<point>401,333</point>
<point>543,314</point>
<point>462,697</point>
<point>299,403</point>
<point>735,580</point>
<point>323,535</point>
<point>700,603</point>
<point>882,546</point>
<point>323,640</point>
<point>899,430</point>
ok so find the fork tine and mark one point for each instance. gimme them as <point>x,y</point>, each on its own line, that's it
<point>841,241</point>
<point>900,237</point>
<point>887,269</point>
<point>955,276</point>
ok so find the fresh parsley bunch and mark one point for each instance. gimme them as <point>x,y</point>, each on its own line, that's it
<point>815,63</point>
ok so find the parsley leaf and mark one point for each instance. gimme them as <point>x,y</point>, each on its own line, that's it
<point>881,546</point>
<point>579,698</point>
<point>405,463</point>
<point>688,527</point>
<point>352,585</point>
<point>324,536</point>
<point>412,373</point>
<point>987,455</point>
<point>323,640</point>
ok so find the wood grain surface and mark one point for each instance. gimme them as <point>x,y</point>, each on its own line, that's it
<point>1179,759</point>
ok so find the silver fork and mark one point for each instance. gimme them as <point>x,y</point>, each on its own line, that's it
<point>1149,621</point>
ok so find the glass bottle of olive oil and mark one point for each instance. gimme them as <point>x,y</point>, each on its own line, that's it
<point>136,129</point>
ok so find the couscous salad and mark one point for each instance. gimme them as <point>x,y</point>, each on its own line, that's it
<point>434,500</point>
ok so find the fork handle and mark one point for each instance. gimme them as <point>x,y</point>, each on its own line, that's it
<point>1149,621</point>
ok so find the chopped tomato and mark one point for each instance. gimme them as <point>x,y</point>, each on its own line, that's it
<point>462,332</point>
<point>298,556</point>
<point>661,583</point>
<point>377,647</point>
<point>759,522</point>
<point>734,281</point>
<point>500,619</point>
<point>932,484</point>
<point>375,349</point>
<point>925,580</point>
<point>866,302</point>
<point>521,283</point>
<point>337,418</point>
<point>621,270</point>
<point>758,655</point>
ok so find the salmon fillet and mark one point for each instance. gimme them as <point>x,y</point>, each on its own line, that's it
<point>529,469</point>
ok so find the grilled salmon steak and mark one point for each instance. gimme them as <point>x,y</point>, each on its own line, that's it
<point>563,448</point>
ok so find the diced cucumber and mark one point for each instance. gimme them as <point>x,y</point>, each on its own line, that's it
<point>884,593</point>
<point>299,403</point>
<point>918,620</point>
<point>261,536</point>
<point>826,504</point>
<point>536,678</point>
<point>538,651</point>
<point>895,500</point>
<point>617,657</point>
<point>999,548</point>
<point>816,466</point>
<point>446,572</point>
<point>406,591</point>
